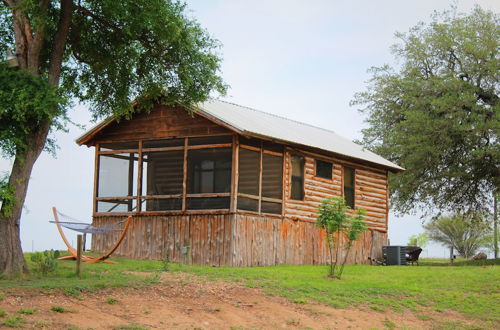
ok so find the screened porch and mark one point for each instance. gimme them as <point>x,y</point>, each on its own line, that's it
<point>189,175</point>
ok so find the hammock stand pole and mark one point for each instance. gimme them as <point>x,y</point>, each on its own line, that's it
<point>88,259</point>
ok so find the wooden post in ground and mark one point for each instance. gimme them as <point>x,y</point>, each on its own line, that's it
<point>452,258</point>
<point>79,245</point>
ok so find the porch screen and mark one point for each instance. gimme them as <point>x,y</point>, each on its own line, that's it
<point>162,177</point>
<point>116,183</point>
<point>209,178</point>
<point>260,176</point>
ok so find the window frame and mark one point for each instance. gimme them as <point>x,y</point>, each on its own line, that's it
<point>303,190</point>
<point>260,198</point>
<point>353,171</point>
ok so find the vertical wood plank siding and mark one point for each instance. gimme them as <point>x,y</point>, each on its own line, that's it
<point>231,240</point>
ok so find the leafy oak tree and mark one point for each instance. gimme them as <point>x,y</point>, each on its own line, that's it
<point>105,53</point>
<point>437,113</point>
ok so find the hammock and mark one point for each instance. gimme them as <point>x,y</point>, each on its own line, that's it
<point>86,228</point>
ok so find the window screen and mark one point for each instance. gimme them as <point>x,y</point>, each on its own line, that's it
<point>248,172</point>
<point>116,205</point>
<point>164,172</point>
<point>206,203</point>
<point>116,175</point>
<point>297,191</point>
<point>248,204</point>
<point>349,186</point>
<point>323,169</point>
<point>272,176</point>
<point>271,207</point>
<point>163,204</point>
<point>209,170</point>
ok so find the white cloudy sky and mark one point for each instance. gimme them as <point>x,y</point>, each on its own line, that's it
<point>299,59</point>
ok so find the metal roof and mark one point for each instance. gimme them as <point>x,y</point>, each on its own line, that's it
<point>248,121</point>
<point>255,122</point>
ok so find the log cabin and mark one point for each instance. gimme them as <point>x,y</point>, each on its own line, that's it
<point>228,185</point>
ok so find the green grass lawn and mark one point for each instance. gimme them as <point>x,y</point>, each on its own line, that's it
<point>470,288</point>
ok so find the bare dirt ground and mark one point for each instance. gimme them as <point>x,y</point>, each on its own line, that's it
<point>180,302</point>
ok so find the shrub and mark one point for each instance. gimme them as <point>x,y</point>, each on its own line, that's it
<point>46,261</point>
<point>335,219</point>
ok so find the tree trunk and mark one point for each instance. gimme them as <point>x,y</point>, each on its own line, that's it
<point>495,225</point>
<point>11,255</point>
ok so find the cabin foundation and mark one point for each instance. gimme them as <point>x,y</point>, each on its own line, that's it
<point>232,240</point>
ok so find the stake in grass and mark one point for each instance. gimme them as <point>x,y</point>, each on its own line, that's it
<point>338,222</point>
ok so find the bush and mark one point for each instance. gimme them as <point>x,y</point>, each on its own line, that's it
<point>46,261</point>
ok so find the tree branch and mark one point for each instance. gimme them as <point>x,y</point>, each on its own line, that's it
<point>10,3</point>
<point>36,44</point>
<point>60,41</point>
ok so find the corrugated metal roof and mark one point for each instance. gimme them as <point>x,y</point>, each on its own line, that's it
<point>255,122</point>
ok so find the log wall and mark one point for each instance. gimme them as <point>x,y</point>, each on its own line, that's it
<point>371,191</point>
<point>230,240</point>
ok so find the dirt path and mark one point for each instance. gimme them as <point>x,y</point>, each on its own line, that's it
<point>181,302</point>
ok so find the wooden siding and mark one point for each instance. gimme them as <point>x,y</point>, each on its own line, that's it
<point>231,240</point>
<point>370,190</point>
<point>161,122</point>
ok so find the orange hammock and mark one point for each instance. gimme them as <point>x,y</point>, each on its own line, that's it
<point>88,259</point>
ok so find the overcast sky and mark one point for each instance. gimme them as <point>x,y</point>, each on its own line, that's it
<point>300,59</point>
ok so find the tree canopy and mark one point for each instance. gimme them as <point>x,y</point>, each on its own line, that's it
<point>118,57</point>
<point>437,113</point>
<point>465,233</point>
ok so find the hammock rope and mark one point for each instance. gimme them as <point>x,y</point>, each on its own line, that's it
<point>87,228</point>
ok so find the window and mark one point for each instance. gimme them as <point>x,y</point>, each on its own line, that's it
<point>349,174</point>
<point>297,191</point>
<point>324,169</point>
<point>260,176</point>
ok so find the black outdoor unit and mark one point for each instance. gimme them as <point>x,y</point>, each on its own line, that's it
<point>394,255</point>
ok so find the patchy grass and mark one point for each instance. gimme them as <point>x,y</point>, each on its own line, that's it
<point>471,290</point>
<point>129,327</point>
<point>111,301</point>
<point>15,321</point>
<point>27,311</point>
<point>468,287</point>
<point>59,309</point>
<point>93,276</point>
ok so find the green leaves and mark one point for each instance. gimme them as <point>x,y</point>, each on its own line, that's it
<point>26,102</point>
<point>150,51</point>
<point>338,221</point>
<point>465,233</point>
<point>438,115</point>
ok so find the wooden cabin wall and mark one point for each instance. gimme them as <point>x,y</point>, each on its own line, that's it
<point>371,191</point>
<point>161,122</point>
<point>231,240</point>
<point>149,237</point>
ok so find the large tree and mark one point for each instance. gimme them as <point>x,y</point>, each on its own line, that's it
<point>437,113</point>
<point>105,53</point>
